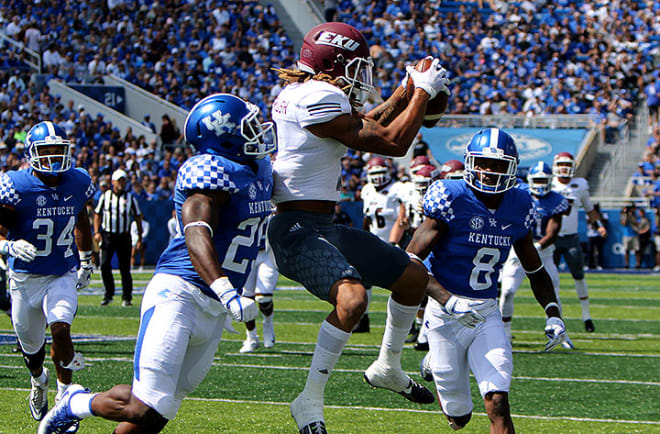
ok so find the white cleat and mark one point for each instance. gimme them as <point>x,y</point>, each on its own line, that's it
<point>308,414</point>
<point>567,343</point>
<point>249,346</point>
<point>38,398</point>
<point>379,375</point>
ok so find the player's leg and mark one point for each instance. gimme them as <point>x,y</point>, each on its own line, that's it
<point>421,340</point>
<point>575,261</point>
<point>168,316</point>
<point>491,361</point>
<point>60,305</point>
<point>267,277</point>
<point>29,324</point>
<point>108,247</point>
<point>448,364</point>
<point>512,276</point>
<point>381,264</point>
<point>304,255</point>
<point>143,249</point>
<point>124,260</point>
<point>251,342</point>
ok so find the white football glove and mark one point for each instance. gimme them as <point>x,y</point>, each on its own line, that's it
<point>85,271</point>
<point>433,80</point>
<point>19,249</point>
<point>241,308</point>
<point>555,331</point>
<point>464,310</point>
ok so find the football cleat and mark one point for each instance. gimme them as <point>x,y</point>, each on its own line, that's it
<point>249,346</point>
<point>425,369</point>
<point>412,335</point>
<point>38,398</point>
<point>308,414</point>
<point>363,325</point>
<point>60,419</point>
<point>567,343</point>
<point>421,346</point>
<point>378,375</point>
<point>589,326</point>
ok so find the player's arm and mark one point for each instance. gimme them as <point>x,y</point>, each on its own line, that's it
<point>366,223</point>
<point>425,237</point>
<point>200,214</point>
<point>20,249</point>
<point>551,231</point>
<point>83,237</point>
<point>542,288</point>
<point>400,226</point>
<point>386,112</point>
<point>595,220</point>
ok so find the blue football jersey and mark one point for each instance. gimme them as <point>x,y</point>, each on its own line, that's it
<point>242,222</point>
<point>47,217</point>
<point>547,206</point>
<point>468,260</point>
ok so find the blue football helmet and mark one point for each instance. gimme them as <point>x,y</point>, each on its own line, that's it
<point>491,144</point>
<point>225,125</point>
<point>539,179</point>
<point>47,135</point>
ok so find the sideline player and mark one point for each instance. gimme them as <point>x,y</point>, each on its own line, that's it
<point>568,242</point>
<point>260,286</point>
<point>42,210</point>
<point>469,228</point>
<point>550,207</point>
<point>222,199</point>
<point>318,116</point>
<point>382,199</point>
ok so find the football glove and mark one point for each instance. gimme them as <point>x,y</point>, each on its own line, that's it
<point>19,249</point>
<point>85,271</point>
<point>241,308</point>
<point>432,81</point>
<point>555,331</point>
<point>464,311</point>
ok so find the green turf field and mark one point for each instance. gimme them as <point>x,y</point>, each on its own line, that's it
<point>610,383</point>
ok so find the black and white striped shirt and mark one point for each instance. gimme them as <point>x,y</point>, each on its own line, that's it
<point>118,211</point>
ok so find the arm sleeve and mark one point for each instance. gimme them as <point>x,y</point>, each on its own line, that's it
<point>438,202</point>
<point>561,207</point>
<point>322,106</point>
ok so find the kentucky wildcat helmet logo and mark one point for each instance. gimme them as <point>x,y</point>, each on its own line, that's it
<point>219,123</point>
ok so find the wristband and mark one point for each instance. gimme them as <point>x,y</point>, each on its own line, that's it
<point>598,223</point>
<point>221,285</point>
<point>85,255</point>
<point>414,256</point>
<point>549,305</point>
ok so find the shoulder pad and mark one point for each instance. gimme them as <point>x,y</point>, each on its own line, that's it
<point>321,103</point>
<point>438,201</point>
<point>8,194</point>
<point>206,172</point>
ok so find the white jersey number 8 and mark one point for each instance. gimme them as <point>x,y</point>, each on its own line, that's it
<point>479,281</point>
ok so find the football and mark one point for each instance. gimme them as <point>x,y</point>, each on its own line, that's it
<point>436,106</point>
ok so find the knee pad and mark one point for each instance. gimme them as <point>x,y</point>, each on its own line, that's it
<point>36,360</point>
<point>265,303</point>
<point>459,422</point>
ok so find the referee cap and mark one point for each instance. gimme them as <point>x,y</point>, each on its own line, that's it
<point>118,174</point>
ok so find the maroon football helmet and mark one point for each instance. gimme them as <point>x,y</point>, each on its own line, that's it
<point>563,165</point>
<point>452,169</point>
<point>341,51</point>
<point>424,176</point>
<point>379,171</point>
<point>417,162</point>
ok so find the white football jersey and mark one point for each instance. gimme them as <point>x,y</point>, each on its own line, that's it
<point>413,205</point>
<point>307,167</point>
<point>577,189</point>
<point>382,207</point>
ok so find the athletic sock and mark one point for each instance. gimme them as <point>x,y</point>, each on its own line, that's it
<point>329,345</point>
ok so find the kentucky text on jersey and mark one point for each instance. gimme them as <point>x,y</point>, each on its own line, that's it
<point>260,207</point>
<point>56,210</point>
<point>489,239</point>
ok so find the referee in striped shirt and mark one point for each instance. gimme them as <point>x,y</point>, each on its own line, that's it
<point>114,212</point>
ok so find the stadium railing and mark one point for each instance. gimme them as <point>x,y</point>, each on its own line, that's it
<point>33,58</point>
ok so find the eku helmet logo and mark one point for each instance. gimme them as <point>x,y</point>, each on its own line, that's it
<point>219,123</point>
<point>335,40</point>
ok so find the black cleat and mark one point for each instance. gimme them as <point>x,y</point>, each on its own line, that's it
<point>422,346</point>
<point>589,326</point>
<point>317,427</point>
<point>363,325</point>
<point>417,393</point>
<point>378,376</point>
<point>412,335</point>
